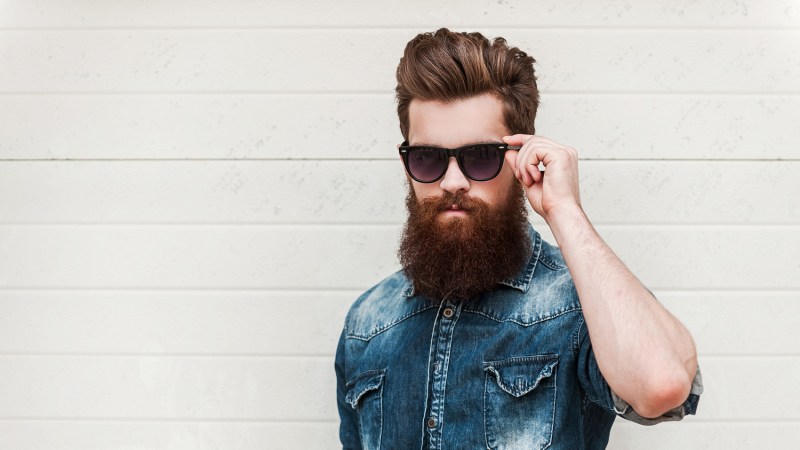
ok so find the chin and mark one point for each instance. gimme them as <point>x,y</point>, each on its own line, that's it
<point>457,227</point>
<point>452,217</point>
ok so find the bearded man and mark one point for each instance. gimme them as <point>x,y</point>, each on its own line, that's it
<point>490,337</point>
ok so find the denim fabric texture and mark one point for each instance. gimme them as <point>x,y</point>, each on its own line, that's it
<point>512,369</point>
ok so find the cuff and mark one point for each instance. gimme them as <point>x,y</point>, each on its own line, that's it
<point>623,409</point>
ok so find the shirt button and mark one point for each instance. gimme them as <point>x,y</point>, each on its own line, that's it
<point>448,312</point>
<point>431,422</point>
<point>436,367</point>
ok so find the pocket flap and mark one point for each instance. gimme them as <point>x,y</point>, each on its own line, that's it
<point>521,374</point>
<point>362,383</point>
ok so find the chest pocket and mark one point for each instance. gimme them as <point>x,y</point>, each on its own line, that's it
<point>520,402</point>
<point>365,395</point>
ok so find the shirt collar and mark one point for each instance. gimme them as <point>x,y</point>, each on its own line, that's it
<point>522,280</point>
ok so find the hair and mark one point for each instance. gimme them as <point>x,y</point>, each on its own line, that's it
<point>450,66</point>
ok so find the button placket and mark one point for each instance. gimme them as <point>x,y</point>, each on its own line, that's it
<point>441,344</point>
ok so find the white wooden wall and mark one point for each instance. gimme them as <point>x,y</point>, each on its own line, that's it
<point>192,193</point>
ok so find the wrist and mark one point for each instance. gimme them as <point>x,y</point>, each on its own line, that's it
<point>564,213</point>
<point>567,222</point>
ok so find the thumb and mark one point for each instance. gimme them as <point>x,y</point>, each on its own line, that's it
<point>511,159</point>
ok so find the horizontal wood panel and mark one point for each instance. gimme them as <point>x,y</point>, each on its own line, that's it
<point>110,435</point>
<point>355,257</point>
<point>359,13</point>
<point>167,388</point>
<point>363,192</point>
<point>697,434</point>
<point>105,435</point>
<point>642,126</point>
<point>163,388</point>
<point>308,323</point>
<point>721,61</point>
<point>213,323</point>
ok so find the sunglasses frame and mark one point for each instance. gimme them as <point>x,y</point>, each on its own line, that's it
<point>406,149</point>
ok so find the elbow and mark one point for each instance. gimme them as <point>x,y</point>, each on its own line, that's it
<point>663,396</point>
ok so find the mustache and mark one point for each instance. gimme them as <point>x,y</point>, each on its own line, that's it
<point>448,199</point>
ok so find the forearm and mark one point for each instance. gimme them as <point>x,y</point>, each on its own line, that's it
<point>645,354</point>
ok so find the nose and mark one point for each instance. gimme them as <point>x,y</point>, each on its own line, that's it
<point>454,180</point>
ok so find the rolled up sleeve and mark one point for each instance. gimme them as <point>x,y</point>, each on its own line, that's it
<point>598,391</point>
<point>624,410</point>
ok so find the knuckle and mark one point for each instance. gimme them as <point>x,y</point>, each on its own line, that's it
<point>570,153</point>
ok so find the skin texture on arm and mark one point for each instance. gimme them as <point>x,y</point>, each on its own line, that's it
<point>645,354</point>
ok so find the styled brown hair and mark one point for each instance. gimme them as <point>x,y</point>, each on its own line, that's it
<point>450,66</point>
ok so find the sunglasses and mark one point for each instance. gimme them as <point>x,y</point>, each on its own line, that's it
<point>478,162</point>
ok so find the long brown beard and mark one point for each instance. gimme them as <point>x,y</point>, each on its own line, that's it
<point>461,257</point>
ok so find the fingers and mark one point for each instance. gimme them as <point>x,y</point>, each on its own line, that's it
<point>521,139</point>
<point>515,157</point>
<point>516,139</point>
<point>535,150</point>
<point>511,159</point>
<point>527,164</point>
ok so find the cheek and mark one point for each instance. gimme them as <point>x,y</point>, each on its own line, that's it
<point>506,171</point>
<point>423,190</point>
<point>497,190</point>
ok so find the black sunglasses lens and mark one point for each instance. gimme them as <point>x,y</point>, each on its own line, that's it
<point>481,162</point>
<point>427,164</point>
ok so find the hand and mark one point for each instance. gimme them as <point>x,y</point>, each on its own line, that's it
<point>548,190</point>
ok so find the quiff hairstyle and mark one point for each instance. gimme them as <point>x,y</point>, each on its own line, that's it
<point>450,66</point>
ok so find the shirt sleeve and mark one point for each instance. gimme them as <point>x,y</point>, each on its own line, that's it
<point>348,425</point>
<point>598,391</point>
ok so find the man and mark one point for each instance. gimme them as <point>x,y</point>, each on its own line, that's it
<point>490,337</point>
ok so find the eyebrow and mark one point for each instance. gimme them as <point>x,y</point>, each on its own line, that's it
<point>482,141</point>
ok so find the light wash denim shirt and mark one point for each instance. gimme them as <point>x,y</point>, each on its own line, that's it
<point>513,369</point>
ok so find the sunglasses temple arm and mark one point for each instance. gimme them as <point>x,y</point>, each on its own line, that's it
<point>514,147</point>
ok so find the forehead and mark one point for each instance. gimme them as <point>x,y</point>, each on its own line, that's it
<point>476,119</point>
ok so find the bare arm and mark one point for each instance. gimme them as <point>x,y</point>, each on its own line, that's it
<point>645,354</point>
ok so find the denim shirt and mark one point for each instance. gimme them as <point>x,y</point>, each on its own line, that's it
<point>512,369</point>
